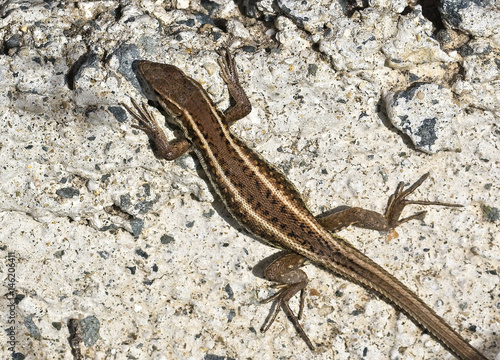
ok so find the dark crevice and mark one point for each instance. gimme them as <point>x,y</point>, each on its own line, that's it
<point>70,77</point>
<point>407,10</point>
<point>221,24</point>
<point>430,10</point>
<point>460,72</point>
<point>118,13</point>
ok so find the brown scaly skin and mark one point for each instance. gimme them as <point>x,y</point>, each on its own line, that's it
<point>263,201</point>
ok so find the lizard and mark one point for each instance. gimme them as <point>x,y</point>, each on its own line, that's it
<point>269,206</point>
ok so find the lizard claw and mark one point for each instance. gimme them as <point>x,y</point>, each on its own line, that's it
<point>281,299</point>
<point>285,270</point>
<point>147,123</point>
<point>227,65</point>
<point>398,201</point>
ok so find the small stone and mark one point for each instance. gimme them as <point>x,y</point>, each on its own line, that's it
<point>32,328</point>
<point>426,113</point>
<point>90,330</point>
<point>490,213</point>
<point>68,192</point>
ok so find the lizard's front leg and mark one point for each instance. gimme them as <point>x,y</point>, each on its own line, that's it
<point>147,123</point>
<point>229,74</point>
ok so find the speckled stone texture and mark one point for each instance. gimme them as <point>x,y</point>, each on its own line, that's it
<point>142,252</point>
